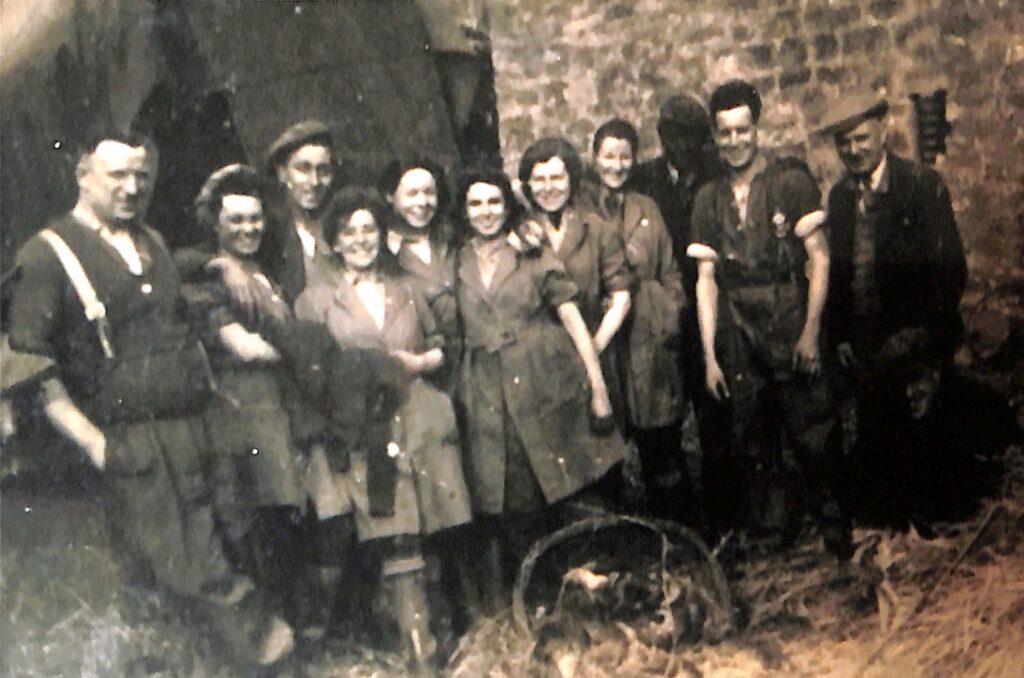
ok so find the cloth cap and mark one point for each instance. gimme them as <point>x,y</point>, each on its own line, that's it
<point>850,111</point>
<point>686,112</point>
<point>299,134</point>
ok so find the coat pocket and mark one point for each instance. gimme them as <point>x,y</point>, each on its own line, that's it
<point>130,451</point>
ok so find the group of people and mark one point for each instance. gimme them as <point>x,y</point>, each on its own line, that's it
<point>355,380</point>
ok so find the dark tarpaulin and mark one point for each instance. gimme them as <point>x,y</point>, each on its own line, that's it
<point>364,67</point>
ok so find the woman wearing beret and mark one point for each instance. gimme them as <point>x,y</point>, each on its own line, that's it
<point>650,348</point>
<point>364,303</point>
<point>531,380</point>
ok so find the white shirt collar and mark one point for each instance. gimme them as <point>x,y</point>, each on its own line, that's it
<point>121,239</point>
<point>879,173</point>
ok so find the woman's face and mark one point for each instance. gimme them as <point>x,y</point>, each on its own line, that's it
<point>358,240</point>
<point>614,161</point>
<point>485,208</point>
<point>240,224</point>
<point>550,185</point>
<point>416,197</point>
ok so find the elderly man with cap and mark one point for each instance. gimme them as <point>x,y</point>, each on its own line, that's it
<point>762,282</point>
<point>897,258</point>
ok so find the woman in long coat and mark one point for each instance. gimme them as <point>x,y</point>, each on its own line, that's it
<point>650,349</point>
<point>590,248</point>
<point>531,379</point>
<point>363,303</point>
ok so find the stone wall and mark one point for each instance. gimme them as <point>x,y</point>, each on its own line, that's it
<point>564,66</point>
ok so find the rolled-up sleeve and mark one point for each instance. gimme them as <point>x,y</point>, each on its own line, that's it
<point>556,287</point>
<point>801,201</point>
<point>37,306</point>
<point>705,228</point>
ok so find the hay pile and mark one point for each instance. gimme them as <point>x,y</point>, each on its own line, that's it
<point>808,615</point>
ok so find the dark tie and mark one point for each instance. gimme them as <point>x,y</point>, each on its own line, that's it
<point>613,204</point>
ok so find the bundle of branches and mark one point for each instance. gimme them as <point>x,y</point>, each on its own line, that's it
<point>609,576</point>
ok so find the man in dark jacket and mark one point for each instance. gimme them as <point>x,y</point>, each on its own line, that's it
<point>686,163</point>
<point>99,299</point>
<point>897,258</point>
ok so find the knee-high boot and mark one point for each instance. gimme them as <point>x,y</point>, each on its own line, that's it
<point>408,597</point>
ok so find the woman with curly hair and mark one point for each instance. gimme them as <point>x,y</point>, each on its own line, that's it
<point>363,302</point>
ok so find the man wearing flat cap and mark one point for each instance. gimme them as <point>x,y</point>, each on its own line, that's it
<point>897,258</point>
<point>687,162</point>
<point>303,162</point>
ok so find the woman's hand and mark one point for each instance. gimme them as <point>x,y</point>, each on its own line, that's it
<point>418,363</point>
<point>241,287</point>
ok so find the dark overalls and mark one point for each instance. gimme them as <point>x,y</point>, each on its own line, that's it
<point>762,281</point>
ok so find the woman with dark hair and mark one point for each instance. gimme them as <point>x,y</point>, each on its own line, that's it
<point>420,236</point>
<point>530,375</point>
<point>256,469</point>
<point>364,303</point>
<point>650,348</point>
<point>590,249</point>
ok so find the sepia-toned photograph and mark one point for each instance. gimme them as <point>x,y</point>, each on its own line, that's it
<point>511,338</point>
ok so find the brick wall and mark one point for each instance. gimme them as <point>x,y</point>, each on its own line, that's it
<point>565,66</point>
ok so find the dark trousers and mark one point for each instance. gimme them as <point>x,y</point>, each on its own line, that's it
<point>666,480</point>
<point>159,507</point>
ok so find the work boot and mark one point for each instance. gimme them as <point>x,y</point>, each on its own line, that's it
<point>492,574</point>
<point>408,596</point>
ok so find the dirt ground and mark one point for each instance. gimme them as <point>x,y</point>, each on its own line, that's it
<point>68,611</point>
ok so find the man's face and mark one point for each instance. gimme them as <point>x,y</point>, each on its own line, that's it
<point>550,184</point>
<point>415,197</point>
<point>683,149</point>
<point>862,148</point>
<point>614,161</point>
<point>736,136</point>
<point>240,224</point>
<point>308,174</point>
<point>116,181</point>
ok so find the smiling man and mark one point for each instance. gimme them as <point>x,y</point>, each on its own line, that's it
<point>100,299</point>
<point>898,260</point>
<point>762,279</point>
